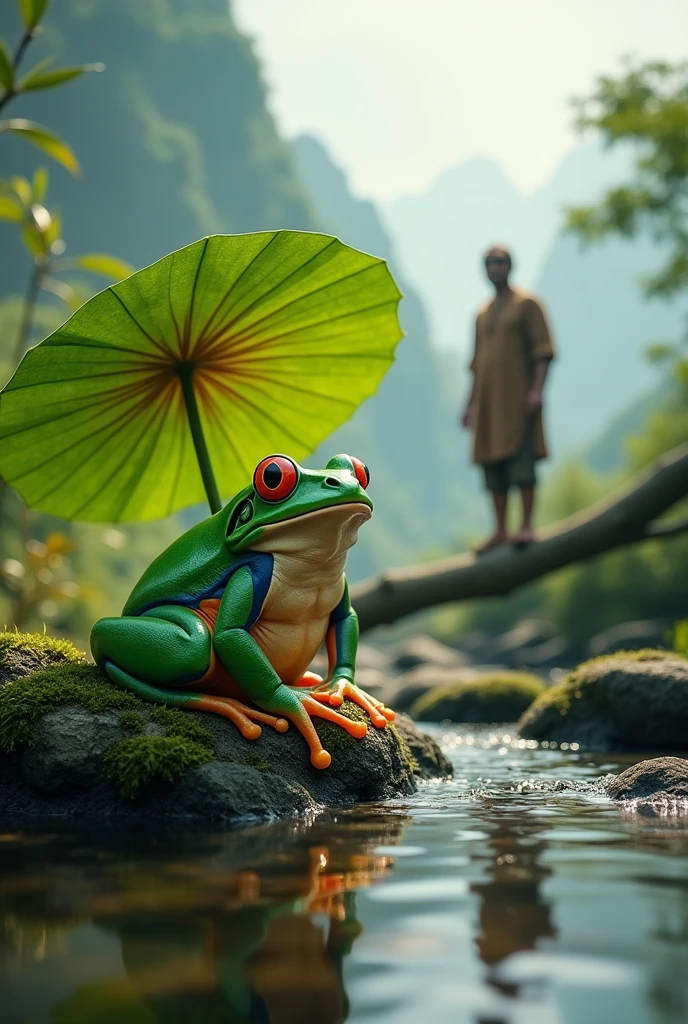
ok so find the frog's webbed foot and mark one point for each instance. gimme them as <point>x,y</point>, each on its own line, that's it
<point>244,717</point>
<point>307,708</point>
<point>343,689</point>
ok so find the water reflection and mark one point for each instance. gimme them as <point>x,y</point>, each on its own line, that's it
<point>515,894</point>
<point>234,929</point>
<point>514,914</point>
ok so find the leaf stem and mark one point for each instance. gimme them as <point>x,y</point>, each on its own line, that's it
<point>13,91</point>
<point>29,309</point>
<point>186,372</point>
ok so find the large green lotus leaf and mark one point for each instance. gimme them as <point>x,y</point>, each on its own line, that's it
<point>287,332</point>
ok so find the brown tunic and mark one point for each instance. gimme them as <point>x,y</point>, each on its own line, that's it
<point>511,335</point>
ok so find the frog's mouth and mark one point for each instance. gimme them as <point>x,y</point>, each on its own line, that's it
<point>324,534</point>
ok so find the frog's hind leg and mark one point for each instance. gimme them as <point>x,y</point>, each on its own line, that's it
<point>194,702</point>
<point>160,654</point>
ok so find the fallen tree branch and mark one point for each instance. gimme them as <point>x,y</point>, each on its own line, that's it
<point>624,519</point>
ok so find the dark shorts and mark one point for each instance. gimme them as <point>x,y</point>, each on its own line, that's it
<point>516,471</point>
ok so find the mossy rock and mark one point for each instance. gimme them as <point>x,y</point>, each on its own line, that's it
<point>72,742</point>
<point>629,700</point>
<point>493,697</point>
<point>23,653</point>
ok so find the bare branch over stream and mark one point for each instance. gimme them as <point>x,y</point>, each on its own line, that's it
<point>626,518</point>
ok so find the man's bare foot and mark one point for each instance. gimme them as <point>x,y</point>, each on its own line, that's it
<point>523,537</point>
<point>495,541</point>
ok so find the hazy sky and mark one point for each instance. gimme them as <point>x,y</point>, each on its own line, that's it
<point>402,89</point>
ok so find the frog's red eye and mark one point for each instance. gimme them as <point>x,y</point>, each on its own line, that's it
<point>362,472</point>
<point>275,478</point>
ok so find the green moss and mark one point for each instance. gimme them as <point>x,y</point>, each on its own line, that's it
<point>495,697</point>
<point>334,737</point>
<point>41,643</point>
<point>646,654</point>
<point>254,761</point>
<point>25,700</point>
<point>182,724</point>
<point>140,760</point>
<point>407,757</point>
<point>131,721</point>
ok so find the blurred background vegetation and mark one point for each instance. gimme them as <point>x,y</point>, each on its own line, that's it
<point>175,139</point>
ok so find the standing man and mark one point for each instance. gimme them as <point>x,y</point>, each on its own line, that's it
<point>513,349</point>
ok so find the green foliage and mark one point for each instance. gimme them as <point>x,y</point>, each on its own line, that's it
<point>494,697</point>
<point>647,106</point>
<point>571,487</point>
<point>6,70</point>
<point>680,637</point>
<point>38,78</point>
<point>140,760</point>
<point>40,229</point>
<point>44,139</point>
<point>25,700</point>
<point>32,12</point>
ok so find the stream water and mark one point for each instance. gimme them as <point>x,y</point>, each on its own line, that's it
<point>515,894</point>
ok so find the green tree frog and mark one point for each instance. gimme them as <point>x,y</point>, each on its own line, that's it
<point>229,617</point>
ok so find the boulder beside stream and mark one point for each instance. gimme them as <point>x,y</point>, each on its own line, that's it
<point>72,743</point>
<point>632,700</point>
<point>487,698</point>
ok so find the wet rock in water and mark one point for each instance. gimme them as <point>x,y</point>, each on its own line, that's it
<point>408,687</point>
<point>494,697</point>
<point>630,700</point>
<point>425,650</point>
<point>23,653</point>
<point>73,743</point>
<point>661,782</point>
<point>225,791</point>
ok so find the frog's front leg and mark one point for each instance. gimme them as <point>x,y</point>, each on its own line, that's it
<point>247,663</point>
<point>342,643</point>
<point>159,654</point>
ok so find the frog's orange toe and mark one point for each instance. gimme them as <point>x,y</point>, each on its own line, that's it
<point>357,729</point>
<point>250,731</point>
<point>320,759</point>
<point>281,725</point>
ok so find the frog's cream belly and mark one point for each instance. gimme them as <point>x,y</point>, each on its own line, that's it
<point>296,614</point>
<point>290,647</point>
